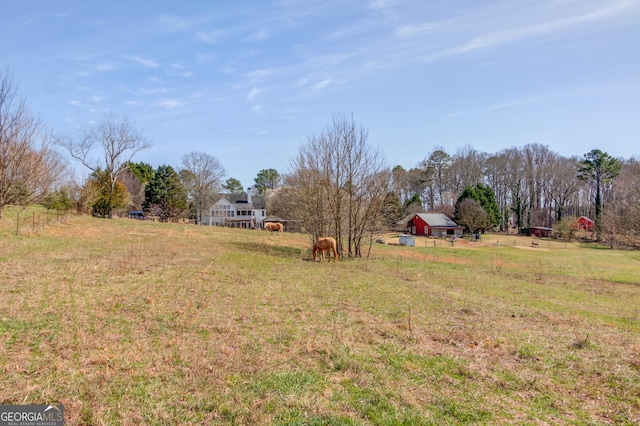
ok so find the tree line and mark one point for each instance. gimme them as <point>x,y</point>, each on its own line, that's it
<point>337,185</point>
<point>531,185</point>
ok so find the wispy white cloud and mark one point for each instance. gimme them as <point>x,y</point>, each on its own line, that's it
<point>252,94</point>
<point>151,91</point>
<point>179,69</point>
<point>539,21</point>
<point>105,67</point>
<point>148,63</point>
<point>169,103</point>
<point>322,84</point>
<point>514,34</point>
<point>204,58</point>
<point>260,73</point>
<point>170,22</point>
<point>579,92</point>
<point>259,36</point>
<point>505,105</point>
<point>379,4</point>
<point>414,30</point>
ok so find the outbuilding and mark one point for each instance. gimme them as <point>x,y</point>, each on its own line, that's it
<point>537,231</point>
<point>431,225</point>
<point>584,223</point>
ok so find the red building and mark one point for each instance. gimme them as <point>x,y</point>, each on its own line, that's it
<point>584,223</point>
<point>432,224</point>
<point>537,231</point>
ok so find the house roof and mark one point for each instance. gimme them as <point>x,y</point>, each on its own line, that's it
<point>584,218</point>
<point>240,201</point>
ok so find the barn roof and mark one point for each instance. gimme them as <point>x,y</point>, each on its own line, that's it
<point>437,220</point>
<point>274,219</point>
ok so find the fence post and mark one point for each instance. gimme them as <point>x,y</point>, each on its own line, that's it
<point>18,224</point>
<point>33,222</point>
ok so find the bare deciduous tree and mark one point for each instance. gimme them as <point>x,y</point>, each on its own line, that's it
<point>622,213</point>
<point>563,184</point>
<point>119,141</point>
<point>470,214</point>
<point>466,169</point>
<point>496,177</point>
<point>29,166</point>
<point>435,167</point>
<point>537,159</point>
<point>341,183</point>
<point>202,176</point>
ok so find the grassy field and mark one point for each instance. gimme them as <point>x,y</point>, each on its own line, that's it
<point>132,322</point>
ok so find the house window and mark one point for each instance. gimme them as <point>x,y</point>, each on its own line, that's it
<point>222,211</point>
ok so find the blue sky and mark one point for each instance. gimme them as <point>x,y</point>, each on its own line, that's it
<point>248,82</point>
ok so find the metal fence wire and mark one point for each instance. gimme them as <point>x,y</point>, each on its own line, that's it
<point>30,223</point>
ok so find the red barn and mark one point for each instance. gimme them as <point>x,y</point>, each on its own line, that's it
<point>584,223</point>
<point>432,224</point>
<point>537,231</point>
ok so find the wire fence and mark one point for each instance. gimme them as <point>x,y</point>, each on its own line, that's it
<point>27,224</point>
<point>496,240</point>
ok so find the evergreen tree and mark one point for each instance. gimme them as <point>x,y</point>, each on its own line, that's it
<point>233,186</point>
<point>142,171</point>
<point>598,169</point>
<point>267,179</point>
<point>58,200</point>
<point>413,203</point>
<point>105,198</point>
<point>392,209</point>
<point>165,195</point>
<point>485,197</point>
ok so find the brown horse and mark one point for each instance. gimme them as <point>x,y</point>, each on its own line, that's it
<point>325,243</point>
<point>274,226</point>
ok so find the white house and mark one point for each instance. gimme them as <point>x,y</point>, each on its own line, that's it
<point>238,210</point>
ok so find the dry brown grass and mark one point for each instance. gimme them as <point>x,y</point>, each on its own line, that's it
<point>128,322</point>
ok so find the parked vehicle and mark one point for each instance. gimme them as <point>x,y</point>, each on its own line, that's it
<point>136,214</point>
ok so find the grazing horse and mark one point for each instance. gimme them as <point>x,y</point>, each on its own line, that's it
<point>274,226</point>
<point>325,243</point>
